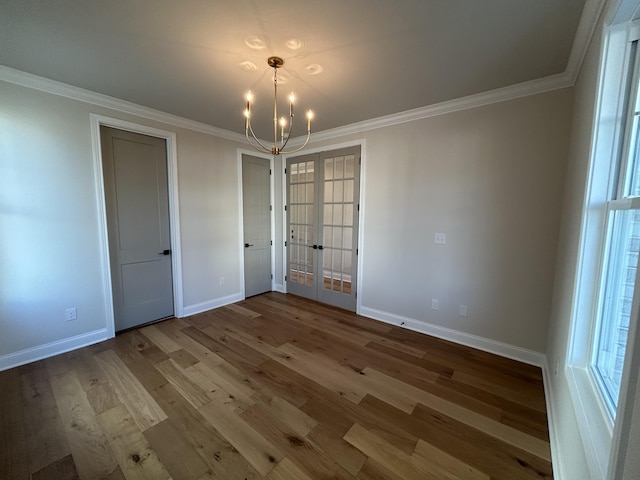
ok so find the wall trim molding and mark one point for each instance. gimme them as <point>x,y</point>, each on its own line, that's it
<point>211,304</point>
<point>50,349</point>
<point>481,343</point>
<point>586,28</point>
<point>552,422</point>
<point>42,84</point>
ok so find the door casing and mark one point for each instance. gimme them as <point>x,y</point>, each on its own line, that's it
<point>174,220</point>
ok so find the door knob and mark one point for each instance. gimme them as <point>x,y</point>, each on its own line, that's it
<point>247,245</point>
<point>165,252</point>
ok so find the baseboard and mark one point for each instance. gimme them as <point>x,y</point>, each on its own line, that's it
<point>549,397</point>
<point>211,304</point>
<point>279,287</point>
<point>51,349</point>
<point>492,346</point>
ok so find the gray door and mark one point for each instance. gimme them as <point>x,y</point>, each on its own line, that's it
<point>137,204</point>
<point>322,225</point>
<point>256,210</point>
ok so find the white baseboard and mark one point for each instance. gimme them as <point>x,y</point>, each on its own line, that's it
<point>51,349</point>
<point>211,304</point>
<point>556,458</point>
<point>279,287</point>
<point>492,346</point>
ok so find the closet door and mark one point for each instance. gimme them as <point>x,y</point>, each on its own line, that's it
<point>322,223</point>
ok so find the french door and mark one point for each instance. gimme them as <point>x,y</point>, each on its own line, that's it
<point>322,226</point>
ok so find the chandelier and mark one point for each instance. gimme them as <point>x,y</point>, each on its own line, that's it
<point>278,147</point>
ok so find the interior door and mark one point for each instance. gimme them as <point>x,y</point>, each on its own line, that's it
<point>322,223</point>
<point>256,207</point>
<point>137,205</point>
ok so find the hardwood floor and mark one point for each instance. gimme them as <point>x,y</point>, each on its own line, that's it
<point>274,387</point>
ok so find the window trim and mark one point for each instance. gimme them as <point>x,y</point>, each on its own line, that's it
<point>595,421</point>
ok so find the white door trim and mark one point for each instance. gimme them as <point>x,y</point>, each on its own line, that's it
<point>363,154</point>
<point>253,153</point>
<point>174,219</point>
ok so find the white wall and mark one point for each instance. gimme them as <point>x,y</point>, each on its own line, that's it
<point>49,241</point>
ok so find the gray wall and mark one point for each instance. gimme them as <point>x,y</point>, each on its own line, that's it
<point>489,177</point>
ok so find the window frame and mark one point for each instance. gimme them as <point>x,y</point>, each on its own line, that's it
<point>595,419</point>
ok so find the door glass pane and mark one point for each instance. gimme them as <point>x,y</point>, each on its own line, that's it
<point>328,191</point>
<point>337,237</point>
<point>346,238</point>
<point>348,214</point>
<point>337,215</point>
<point>339,162</point>
<point>328,218</point>
<point>349,167</point>
<point>348,191</point>
<point>327,240</point>
<point>338,191</point>
<point>328,169</point>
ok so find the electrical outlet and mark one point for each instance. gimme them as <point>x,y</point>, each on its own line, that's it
<point>221,281</point>
<point>440,238</point>
<point>71,314</point>
<point>434,304</point>
<point>463,310</point>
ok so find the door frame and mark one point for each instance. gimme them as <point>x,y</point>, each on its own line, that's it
<point>174,219</point>
<point>253,153</point>
<point>335,146</point>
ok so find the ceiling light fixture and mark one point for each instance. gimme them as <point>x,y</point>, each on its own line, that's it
<point>278,147</point>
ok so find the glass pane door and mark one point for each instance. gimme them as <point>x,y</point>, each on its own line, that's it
<point>322,220</point>
<point>301,225</point>
<point>339,210</point>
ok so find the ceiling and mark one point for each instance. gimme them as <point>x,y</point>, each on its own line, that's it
<point>348,60</point>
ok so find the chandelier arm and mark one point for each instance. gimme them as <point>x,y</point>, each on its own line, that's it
<point>301,146</point>
<point>246,134</point>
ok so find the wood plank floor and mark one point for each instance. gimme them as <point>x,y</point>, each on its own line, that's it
<point>274,387</point>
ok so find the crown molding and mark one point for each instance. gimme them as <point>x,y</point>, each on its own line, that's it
<point>591,13</point>
<point>42,84</point>
<point>533,87</point>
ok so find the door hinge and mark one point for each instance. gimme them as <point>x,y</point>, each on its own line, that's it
<point>285,208</point>
<point>359,160</point>
<point>271,208</point>
<point>285,171</point>
<point>272,276</point>
<point>356,251</point>
<point>358,207</point>
<point>270,242</point>
<point>285,243</point>
<point>285,278</point>
<point>269,171</point>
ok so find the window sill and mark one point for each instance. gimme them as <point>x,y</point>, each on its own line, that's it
<point>594,421</point>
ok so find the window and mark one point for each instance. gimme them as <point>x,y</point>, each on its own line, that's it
<point>606,289</point>
<point>621,246</point>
